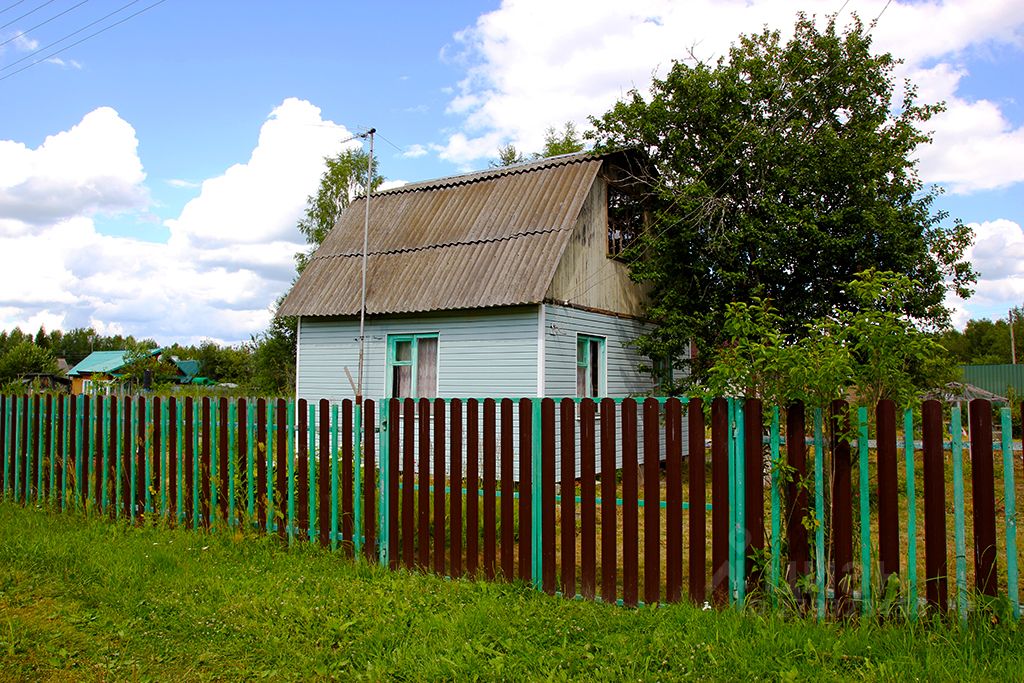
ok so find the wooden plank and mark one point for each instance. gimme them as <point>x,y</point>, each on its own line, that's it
<point>99,448</point>
<point>652,501</point>
<point>302,469</point>
<point>438,483</point>
<point>888,492</point>
<point>224,473</point>
<point>46,459</point>
<point>369,480</point>
<point>5,450</point>
<point>394,457</point>
<point>455,479</point>
<point>280,496</point>
<point>588,499</point>
<point>673,500</point>
<point>630,505</point>
<point>261,455</point>
<point>205,463</point>
<point>142,482</point>
<point>547,498</point>
<point>129,453</point>
<point>173,439</point>
<point>567,513</point>
<point>507,493</point>
<point>59,446</point>
<point>842,508</point>
<point>188,464</point>
<point>936,582</point>
<point>983,494</point>
<point>472,486</point>
<point>719,497</point>
<point>796,499</point>
<point>242,441</point>
<point>526,488</point>
<point>347,511</point>
<point>609,532</point>
<point>753,457</point>
<point>323,478</point>
<point>408,480</point>
<point>490,530</point>
<point>423,497</point>
<point>697,475</point>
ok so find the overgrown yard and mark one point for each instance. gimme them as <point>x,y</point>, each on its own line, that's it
<point>90,599</point>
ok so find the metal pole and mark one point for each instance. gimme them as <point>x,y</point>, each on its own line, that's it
<point>1013,344</point>
<point>366,240</point>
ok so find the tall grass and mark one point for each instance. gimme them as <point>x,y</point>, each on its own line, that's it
<point>87,599</point>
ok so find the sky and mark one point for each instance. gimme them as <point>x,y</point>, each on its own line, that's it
<point>155,155</point>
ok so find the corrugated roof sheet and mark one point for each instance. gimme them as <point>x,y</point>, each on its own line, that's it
<point>102,361</point>
<point>490,238</point>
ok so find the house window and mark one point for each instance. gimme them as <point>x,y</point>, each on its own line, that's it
<point>590,362</point>
<point>412,365</point>
<point>625,221</point>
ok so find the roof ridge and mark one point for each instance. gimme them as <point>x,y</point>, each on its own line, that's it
<point>491,173</point>
<point>441,245</point>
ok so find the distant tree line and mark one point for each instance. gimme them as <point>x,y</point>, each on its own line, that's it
<point>987,342</point>
<point>257,366</point>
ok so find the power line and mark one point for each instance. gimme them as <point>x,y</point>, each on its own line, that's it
<point>14,21</point>
<point>79,42</point>
<point>12,6</point>
<point>43,23</point>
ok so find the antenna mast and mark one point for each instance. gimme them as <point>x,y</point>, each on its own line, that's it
<point>366,240</point>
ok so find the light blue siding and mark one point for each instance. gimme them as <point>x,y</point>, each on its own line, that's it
<point>480,353</point>
<point>622,375</point>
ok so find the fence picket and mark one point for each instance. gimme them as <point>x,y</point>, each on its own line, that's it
<point>983,495</point>
<point>842,508</point>
<point>609,511</point>
<point>547,498</point>
<point>888,501</point>
<point>408,481</point>
<point>720,493</point>
<point>630,504</point>
<point>936,584</point>
<point>753,458</point>
<point>490,479</point>
<point>696,490</point>
<point>507,493</point>
<point>369,480</point>
<point>455,479</point>
<point>652,501</point>
<point>438,482</point>
<point>423,492</point>
<point>472,486</point>
<point>567,432</point>
<point>526,502</point>
<point>588,500</point>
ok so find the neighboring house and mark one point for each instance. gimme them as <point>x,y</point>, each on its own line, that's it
<point>496,283</point>
<point>102,370</point>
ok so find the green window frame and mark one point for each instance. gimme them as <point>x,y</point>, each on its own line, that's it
<point>412,365</point>
<point>591,363</point>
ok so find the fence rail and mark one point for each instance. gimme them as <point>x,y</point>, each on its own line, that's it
<point>811,507</point>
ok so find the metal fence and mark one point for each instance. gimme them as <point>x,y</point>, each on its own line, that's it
<point>829,511</point>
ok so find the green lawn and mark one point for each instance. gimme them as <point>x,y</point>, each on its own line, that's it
<point>92,599</point>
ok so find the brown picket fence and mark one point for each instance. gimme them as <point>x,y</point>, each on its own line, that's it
<point>834,511</point>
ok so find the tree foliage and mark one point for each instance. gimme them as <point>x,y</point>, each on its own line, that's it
<point>343,179</point>
<point>871,349</point>
<point>779,172</point>
<point>568,141</point>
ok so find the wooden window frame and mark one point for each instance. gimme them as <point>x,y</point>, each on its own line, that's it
<point>392,360</point>
<point>587,362</point>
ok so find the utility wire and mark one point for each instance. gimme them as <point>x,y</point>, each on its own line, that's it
<point>43,23</point>
<point>12,6</point>
<point>77,42</point>
<point>14,21</point>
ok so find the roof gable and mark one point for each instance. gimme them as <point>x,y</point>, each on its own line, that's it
<point>491,238</point>
<point>102,361</point>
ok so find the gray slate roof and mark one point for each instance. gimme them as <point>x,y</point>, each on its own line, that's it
<point>490,238</point>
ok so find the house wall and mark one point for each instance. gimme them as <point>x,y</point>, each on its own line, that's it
<point>480,353</point>
<point>585,276</point>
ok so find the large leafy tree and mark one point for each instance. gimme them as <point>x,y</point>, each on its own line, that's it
<point>779,172</point>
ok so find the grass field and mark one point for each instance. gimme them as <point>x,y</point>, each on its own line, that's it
<point>89,599</point>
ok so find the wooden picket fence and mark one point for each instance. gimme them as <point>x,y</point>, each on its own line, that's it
<point>758,504</point>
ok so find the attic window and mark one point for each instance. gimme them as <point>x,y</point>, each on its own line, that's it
<point>625,221</point>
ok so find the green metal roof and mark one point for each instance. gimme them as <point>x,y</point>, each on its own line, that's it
<point>102,361</point>
<point>188,368</point>
<point>99,361</point>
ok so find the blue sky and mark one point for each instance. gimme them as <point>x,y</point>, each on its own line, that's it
<point>151,176</point>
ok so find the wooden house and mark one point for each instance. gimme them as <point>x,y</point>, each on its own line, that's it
<point>503,282</point>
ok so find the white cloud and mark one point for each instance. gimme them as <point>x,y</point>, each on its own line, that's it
<point>523,75</point>
<point>228,257</point>
<point>415,151</point>
<point>998,256</point>
<point>71,64</point>
<point>92,168</point>
<point>178,182</point>
<point>24,43</point>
